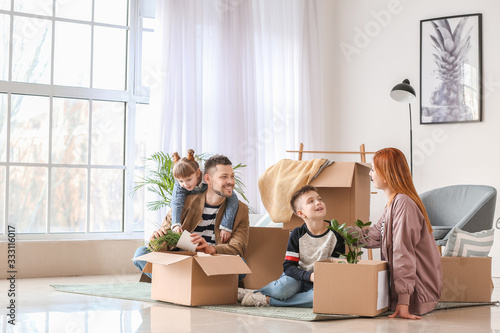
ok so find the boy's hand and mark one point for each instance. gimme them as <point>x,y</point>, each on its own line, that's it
<point>311,277</point>
<point>177,229</point>
<point>224,236</point>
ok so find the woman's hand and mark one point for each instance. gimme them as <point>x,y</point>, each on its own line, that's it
<point>403,312</point>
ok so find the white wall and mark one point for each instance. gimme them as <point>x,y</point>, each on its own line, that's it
<point>356,92</point>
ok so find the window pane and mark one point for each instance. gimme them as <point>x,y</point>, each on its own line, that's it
<point>4,47</point>
<point>5,4</point>
<point>74,9</point>
<point>108,133</point>
<point>69,200</point>
<point>111,11</point>
<point>109,58</point>
<point>3,127</point>
<point>106,200</point>
<point>29,132</point>
<point>31,50</point>
<point>150,76</point>
<point>72,54</point>
<point>3,195</point>
<point>70,133</point>
<point>28,199</point>
<point>39,7</point>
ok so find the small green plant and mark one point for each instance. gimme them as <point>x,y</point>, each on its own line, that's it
<point>162,243</point>
<point>353,238</point>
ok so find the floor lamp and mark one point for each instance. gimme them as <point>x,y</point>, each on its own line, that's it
<point>404,93</point>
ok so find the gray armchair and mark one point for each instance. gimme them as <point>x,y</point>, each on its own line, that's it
<point>467,207</point>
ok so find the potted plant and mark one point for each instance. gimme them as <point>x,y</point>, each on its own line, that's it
<point>159,178</point>
<point>164,242</point>
<point>172,239</point>
<point>353,238</point>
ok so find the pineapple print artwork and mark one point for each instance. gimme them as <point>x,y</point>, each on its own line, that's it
<point>454,71</point>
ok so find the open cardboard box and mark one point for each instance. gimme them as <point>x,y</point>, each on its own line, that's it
<point>466,279</point>
<point>194,279</point>
<point>351,289</point>
<point>265,255</point>
<point>345,189</point>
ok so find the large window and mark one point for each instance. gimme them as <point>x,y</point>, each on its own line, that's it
<point>71,88</point>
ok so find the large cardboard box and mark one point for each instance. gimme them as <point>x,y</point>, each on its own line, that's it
<point>351,289</point>
<point>466,279</point>
<point>345,189</point>
<point>199,279</point>
<point>265,255</point>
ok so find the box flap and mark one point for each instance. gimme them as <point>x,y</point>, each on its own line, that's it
<point>339,174</point>
<point>148,268</point>
<point>219,264</point>
<point>164,258</point>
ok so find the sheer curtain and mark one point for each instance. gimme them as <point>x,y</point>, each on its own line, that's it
<point>240,78</point>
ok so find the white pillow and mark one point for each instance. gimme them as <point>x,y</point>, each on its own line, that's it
<point>465,244</point>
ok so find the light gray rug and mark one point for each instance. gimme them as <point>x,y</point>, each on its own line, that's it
<point>140,291</point>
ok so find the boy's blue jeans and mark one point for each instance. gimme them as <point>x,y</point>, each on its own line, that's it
<point>140,263</point>
<point>287,291</point>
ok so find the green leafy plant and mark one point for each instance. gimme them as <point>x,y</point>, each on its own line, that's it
<point>162,243</point>
<point>159,178</point>
<point>353,238</point>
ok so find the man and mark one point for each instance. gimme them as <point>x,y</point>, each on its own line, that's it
<point>203,212</point>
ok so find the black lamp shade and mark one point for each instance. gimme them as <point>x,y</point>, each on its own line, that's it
<point>403,92</point>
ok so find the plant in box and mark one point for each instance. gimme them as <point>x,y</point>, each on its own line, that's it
<point>163,243</point>
<point>353,238</point>
<point>172,239</point>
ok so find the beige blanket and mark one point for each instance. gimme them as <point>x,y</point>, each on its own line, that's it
<point>278,183</point>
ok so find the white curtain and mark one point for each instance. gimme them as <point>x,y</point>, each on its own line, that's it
<point>239,78</point>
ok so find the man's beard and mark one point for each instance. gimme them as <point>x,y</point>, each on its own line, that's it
<point>222,194</point>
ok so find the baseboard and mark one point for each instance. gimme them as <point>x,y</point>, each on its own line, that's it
<point>35,259</point>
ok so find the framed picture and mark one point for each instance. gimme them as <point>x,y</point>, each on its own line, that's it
<point>451,69</point>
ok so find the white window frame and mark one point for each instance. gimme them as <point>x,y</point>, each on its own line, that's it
<point>130,96</point>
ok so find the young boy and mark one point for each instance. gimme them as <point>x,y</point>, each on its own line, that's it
<point>309,243</point>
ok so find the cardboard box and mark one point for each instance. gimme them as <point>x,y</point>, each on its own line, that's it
<point>265,255</point>
<point>466,279</point>
<point>345,189</point>
<point>351,289</point>
<point>199,279</point>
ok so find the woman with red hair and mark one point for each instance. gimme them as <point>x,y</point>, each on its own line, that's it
<point>404,235</point>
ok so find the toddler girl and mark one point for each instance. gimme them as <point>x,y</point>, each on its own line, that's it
<point>189,179</point>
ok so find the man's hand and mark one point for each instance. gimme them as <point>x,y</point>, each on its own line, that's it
<point>403,312</point>
<point>311,278</point>
<point>158,233</point>
<point>203,246</point>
